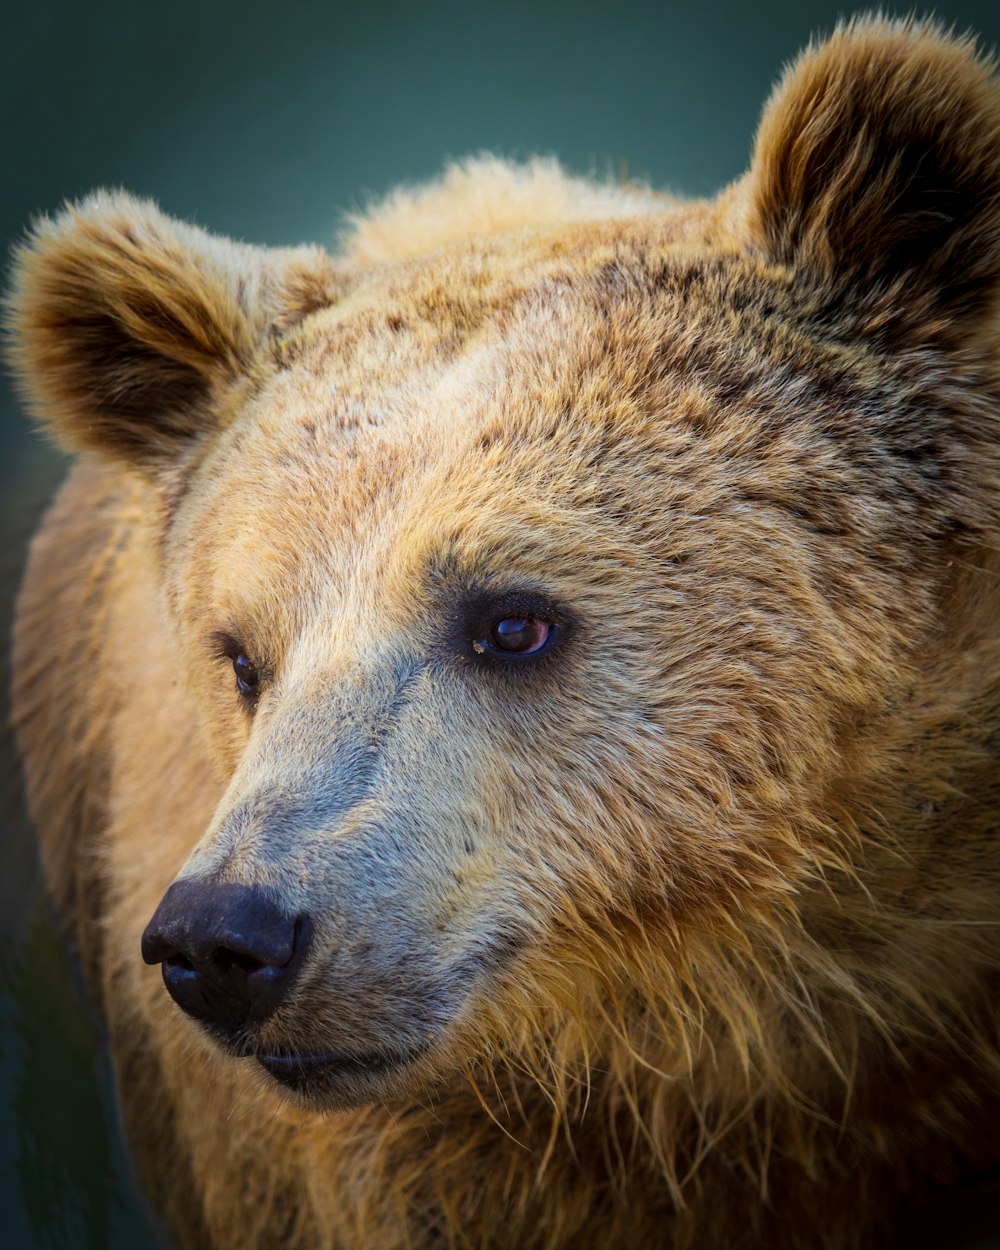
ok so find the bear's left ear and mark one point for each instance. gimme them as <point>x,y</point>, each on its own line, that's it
<point>876,178</point>
<point>127,327</point>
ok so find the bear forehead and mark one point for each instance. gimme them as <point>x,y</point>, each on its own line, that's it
<point>538,365</point>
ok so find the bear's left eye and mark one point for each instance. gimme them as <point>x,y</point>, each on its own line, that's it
<point>517,637</point>
<point>247,676</point>
<point>520,635</point>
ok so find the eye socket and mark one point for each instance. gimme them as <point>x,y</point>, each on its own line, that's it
<point>519,635</point>
<point>247,676</point>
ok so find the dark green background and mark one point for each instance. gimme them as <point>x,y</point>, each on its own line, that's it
<point>268,121</point>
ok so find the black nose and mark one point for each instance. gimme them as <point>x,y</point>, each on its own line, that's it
<point>229,953</point>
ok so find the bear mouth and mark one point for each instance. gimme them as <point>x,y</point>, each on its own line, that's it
<point>335,1075</point>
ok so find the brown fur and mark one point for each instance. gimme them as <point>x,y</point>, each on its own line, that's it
<point>700,911</point>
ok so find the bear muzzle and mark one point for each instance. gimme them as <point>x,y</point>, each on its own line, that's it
<point>229,953</point>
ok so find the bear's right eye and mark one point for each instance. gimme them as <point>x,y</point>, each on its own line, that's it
<point>247,677</point>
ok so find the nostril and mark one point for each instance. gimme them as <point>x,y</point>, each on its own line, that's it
<point>228,961</point>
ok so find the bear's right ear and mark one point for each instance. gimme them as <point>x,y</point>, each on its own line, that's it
<point>127,327</point>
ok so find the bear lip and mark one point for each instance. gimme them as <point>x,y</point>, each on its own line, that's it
<point>299,1070</point>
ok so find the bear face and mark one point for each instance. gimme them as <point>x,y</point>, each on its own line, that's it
<point>479,481</point>
<point>585,624</point>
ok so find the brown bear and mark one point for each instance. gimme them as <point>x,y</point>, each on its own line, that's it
<point>529,685</point>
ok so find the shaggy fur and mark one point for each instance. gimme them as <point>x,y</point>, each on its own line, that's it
<point>693,920</point>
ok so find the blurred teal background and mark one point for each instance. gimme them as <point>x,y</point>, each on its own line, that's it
<point>268,121</point>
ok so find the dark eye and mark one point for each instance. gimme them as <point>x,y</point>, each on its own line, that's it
<point>247,677</point>
<point>521,635</point>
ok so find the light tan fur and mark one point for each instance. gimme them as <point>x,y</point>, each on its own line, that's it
<point>702,907</point>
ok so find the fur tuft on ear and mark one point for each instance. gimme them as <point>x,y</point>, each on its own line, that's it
<point>876,174</point>
<point>126,327</point>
